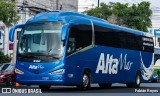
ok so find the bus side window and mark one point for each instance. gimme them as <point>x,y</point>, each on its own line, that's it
<point>71,45</point>
<point>80,36</point>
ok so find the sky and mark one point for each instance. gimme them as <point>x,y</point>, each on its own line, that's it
<point>155,6</point>
<point>84,4</point>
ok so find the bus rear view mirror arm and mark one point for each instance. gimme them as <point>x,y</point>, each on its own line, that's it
<point>64,32</point>
<point>12,30</point>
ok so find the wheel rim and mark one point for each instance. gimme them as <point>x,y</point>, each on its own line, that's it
<point>138,80</point>
<point>10,81</point>
<point>85,80</point>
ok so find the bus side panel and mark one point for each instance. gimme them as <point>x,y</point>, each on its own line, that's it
<point>119,65</point>
<point>107,64</point>
<point>77,63</point>
<point>72,70</point>
<point>147,63</point>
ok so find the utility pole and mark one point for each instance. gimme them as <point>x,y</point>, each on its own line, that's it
<point>52,5</point>
<point>98,3</point>
<point>15,47</point>
<point>24,5</point>
<point>61,7</point>
<point>56,4</point>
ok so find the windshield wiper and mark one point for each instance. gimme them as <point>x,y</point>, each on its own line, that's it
<point>26,56</point>
<point>50,51</point>
<point>53,56</point>
<point>42,37</point>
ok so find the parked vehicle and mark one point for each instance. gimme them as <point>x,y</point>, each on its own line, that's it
<point>156,75</point>
<point>0,66</point>
<point>7,74</point>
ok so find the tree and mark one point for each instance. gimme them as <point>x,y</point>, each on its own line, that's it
<point>104,11</point>
<point>141,16</point>
<point>8,14</point>
<point>4,58</point>
<point>135,16</point>
<point>121,12</point>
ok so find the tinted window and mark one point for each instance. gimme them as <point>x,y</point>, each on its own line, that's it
<point>120,39</point>
<point>147,43</point>
<point>109,37</point>
<point>106,37</point>
<point>0,34</point>
<point>4,67</point>
<point>9,68</point>
<point>131,41</point>
<point>80,36</point>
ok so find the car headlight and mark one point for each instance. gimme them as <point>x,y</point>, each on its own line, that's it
<point>59,71</point>
<point>18,71</point>
<point>1,76</point>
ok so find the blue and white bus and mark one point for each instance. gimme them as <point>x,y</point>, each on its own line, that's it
<point>68,48</point>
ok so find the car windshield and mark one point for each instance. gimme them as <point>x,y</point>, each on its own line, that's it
<point>42,38</point>
<point>7,67</point>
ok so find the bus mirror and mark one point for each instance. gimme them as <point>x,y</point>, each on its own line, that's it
<point>64,32</point>
<point>12,30</point>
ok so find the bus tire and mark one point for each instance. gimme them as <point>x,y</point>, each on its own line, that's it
<point>44,87</point>
<point>105,85</point>
<point>86,82</point>
<point>137,81</point>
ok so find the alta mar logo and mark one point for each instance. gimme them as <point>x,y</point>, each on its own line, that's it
<point>36,67</point>
<point>110,65</point>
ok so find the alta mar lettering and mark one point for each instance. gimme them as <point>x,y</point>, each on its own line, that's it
<point>36,67</point>
<point>110,65</point>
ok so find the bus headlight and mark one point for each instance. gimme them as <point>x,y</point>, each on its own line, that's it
<point>60,71</point>
<point>18,71</point>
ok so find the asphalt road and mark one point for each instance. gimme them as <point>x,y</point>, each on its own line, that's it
<point>146,89</point>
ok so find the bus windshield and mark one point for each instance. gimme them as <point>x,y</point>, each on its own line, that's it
<point>42,38</point>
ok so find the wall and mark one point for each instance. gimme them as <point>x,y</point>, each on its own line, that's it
<point>1,39</point>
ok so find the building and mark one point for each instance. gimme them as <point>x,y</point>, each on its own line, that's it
<point>155,30</point>
<point>2,27</point>
<point>84,5</point>
<point>27,9</point>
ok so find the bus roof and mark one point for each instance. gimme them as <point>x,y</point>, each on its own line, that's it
<point>68,16</point>
<point>59,15</point>
<point>125,29</point>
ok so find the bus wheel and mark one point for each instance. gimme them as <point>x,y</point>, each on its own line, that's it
<point>137,82</point>
<point>105,85</point>
<point>85,85</point>
<point>44,87</point>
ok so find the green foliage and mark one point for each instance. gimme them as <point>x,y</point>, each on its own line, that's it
<point>4,58</point>
<point>8,14</point>
<point>103,11</point>
<point>120,11</point>
<point>135,16</point>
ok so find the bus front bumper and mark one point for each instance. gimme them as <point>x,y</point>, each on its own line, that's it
<point>40,80</point>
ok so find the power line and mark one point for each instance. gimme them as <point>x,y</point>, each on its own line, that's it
<point>84,5</point>
<point>128,2</point>
<point>135,1</point>
<point>153,5</point>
